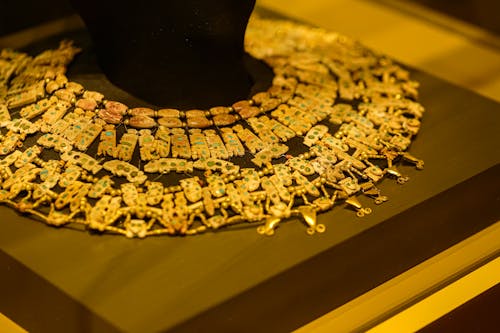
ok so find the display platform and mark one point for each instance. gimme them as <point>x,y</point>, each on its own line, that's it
<point>236,280</point>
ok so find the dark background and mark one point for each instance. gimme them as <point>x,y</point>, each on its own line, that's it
<point>17,14</point>
<point>20,14</point>
<point>482,13</point>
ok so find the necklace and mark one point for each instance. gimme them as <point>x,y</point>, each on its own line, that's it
<point>350,113</point>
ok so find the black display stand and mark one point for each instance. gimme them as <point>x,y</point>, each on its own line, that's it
<point>235,280</point>
<point>177,53</point>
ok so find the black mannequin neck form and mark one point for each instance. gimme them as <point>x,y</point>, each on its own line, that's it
<point>182,54</point>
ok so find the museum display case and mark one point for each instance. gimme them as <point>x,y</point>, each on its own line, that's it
<point>227,274</point>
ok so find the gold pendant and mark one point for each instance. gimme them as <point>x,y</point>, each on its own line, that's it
<point>124,169</point>
<point>147,147</point>
<point>107,143</point>
<point>253,143</point>
<point>166,165</point>
<point>216,146</point>
<point>199,146</point>
<point>83,160</point>
<point>126,147</point>
<point>233,144</point>
<point>180,144</point>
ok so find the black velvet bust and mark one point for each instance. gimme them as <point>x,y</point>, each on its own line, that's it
<point>175,53</point>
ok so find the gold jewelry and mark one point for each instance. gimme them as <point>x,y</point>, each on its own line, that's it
<point>348,106</point>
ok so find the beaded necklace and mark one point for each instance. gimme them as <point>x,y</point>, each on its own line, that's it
<point>352,112</point>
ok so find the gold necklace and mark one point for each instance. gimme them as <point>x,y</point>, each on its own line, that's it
<point>353,111</point>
